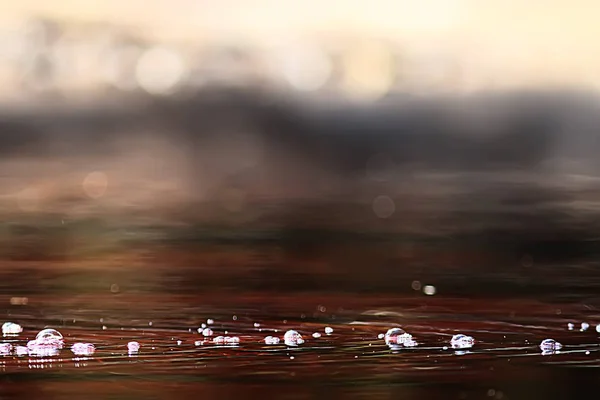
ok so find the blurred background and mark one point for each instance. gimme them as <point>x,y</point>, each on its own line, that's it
<point>270,139</point>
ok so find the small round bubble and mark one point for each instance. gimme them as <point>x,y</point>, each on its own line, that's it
<point>292,338</point>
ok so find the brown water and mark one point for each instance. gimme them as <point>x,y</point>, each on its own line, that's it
<point>352,361</point>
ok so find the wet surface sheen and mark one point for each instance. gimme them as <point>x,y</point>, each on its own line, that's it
<point>354,359</point>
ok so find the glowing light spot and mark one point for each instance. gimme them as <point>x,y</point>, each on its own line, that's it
<point>19,301</point>
<point>95,184</point>
<point>159,70</point>
<point>306,69</point>
<point>369,71</point>
<point>429,290</point>
<point>383,206</point>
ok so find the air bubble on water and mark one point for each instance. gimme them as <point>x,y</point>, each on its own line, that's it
<point>103,327</point>
<point>316,335</point>
<point>570,326</point>
<point>207,332</point>
<point>397,337</point>
<point>271,340</point>
<point>256,325</point>
<point>587,353</point>
<point>42,349</point>
<point>235,317</point>
<point>461,341</point>
<point>179,342</point>
<point>445,348</point>
<point>21,350</point>
<point>83,349</point>
<point>328,330</point>
<point>381,336</point>
<point>49,336</point>
<point>550,345</point>
<point>210,321</point>
<point>133,347</point>
<point>150,323</point>
<point>5,348</point>
<point>226,332</point>
<point>10,328</point>
<point>291,357</point>
<point>233,340</point>
<point>292,338</point>
<point>219,340</point>
<point>584,326</point>
<point>198,343</point>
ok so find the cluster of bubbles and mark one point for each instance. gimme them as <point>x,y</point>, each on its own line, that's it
<point>584,327</point>
<point>49,342</point>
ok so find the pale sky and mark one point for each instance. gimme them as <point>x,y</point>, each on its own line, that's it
<point>552,36</point>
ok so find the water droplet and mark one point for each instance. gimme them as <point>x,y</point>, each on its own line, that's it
<point>316,335</point>
<point>179,342</point>
<point>416,285</point>
<point>114,288</point>
<point>271,340</point>
<point>83,349</point>
<point>5,348</point>
<point>328,330</point>
<point>550,345</point>
<point>598,328</point>
<point>150,323</point>
<point>587,353</point>
<point>395,338</point>
<point>10,328</point>
<point>233,340</point>
<point>210,321</point>
<point>584,326</point>
<point>235,317</point>
<point>380,336</point>
<point>256,325</point>
<point>292,338</point>
<point>49,335</point>
<point>461,341</point>
<point>219,340</point>
<point>570,326</point>
<point>133,347</point>
<point>21,350</point>
<point>207,332</point>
